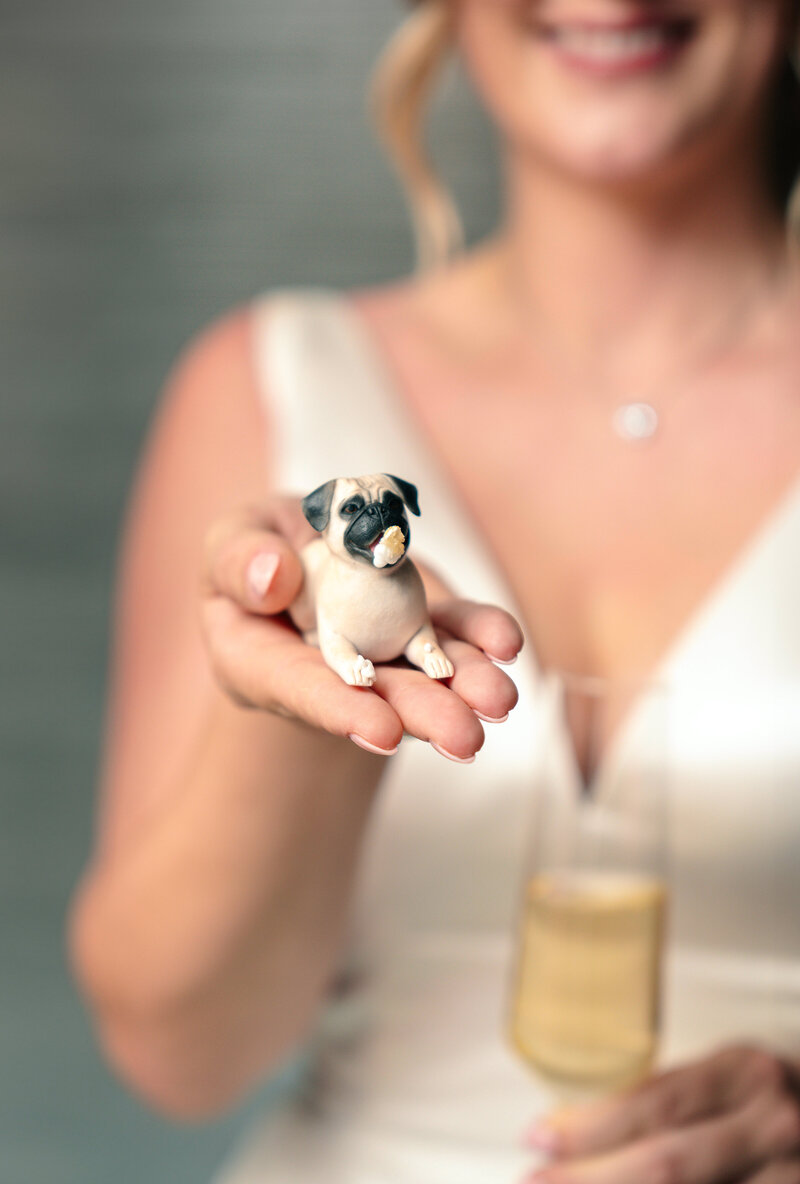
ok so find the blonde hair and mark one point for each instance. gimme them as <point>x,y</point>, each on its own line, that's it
<point>403,80</point>
<point>793,204</point>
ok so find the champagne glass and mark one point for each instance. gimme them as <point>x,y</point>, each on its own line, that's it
<point>585,998</point>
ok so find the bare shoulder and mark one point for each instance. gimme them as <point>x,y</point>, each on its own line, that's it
<point>206,449</point>
<point>208,443</point>
<point>206,454</point>
<point>213,393</point>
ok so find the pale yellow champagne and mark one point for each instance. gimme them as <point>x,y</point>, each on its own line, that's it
<point>585,1008</point>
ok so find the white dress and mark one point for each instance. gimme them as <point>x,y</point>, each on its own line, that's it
<point>413,1081</point>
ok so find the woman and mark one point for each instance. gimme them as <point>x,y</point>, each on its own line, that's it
<point>642,260</point>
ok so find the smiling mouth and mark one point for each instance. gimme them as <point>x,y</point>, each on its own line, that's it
<point>618,47</point>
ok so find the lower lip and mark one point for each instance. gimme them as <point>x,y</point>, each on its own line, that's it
<point>611,61</point>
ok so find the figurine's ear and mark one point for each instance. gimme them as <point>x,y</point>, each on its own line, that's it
<point>408,493</point>
<point>317,506</point>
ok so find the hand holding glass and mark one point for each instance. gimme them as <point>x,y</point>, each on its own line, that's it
<point>586,990</point>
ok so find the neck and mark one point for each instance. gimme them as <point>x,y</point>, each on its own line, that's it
<point>613,279</point>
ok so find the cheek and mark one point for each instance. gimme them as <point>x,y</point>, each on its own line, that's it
<point>506,68</point>
<point>490,37</point>
<point>618,128</point>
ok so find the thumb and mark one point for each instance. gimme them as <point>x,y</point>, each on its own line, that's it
<point>256,568</point>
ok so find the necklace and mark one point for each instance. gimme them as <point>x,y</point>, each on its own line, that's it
<point>638,421</point>
<point>635,422</point>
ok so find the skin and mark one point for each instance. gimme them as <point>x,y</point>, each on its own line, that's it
<point>623,178</point>
<point>638,216</point>
<point>645,134</point>
<point>733,1116</point>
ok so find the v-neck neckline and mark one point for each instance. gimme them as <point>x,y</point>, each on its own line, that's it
<point>663,671</point>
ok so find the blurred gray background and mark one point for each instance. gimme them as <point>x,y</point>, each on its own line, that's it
<point>159,161</point>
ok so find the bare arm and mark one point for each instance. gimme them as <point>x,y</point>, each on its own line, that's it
<point>207,923</point>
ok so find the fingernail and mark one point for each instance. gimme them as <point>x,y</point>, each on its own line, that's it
<point>491,719</point>
<point>368,747</point>
<point>502,661</point>
<point>261,573</point>
<point>460,760</point>
<point>542,1138</point>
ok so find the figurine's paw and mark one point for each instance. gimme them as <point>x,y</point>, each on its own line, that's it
<point>436,664</point>
<point>357,672</point>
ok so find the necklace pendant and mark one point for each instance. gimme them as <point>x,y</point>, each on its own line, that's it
<point>635,422</point>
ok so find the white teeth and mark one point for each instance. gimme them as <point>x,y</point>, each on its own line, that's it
<point>612,45</point>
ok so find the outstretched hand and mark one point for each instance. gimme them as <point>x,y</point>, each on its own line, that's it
<point>252,573</point>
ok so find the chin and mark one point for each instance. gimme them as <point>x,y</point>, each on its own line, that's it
<point>621,153</point>
<point>618,90</point>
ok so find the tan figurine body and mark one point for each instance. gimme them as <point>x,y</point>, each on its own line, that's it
<point>363,600</point>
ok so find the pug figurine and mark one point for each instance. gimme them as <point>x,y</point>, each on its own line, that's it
<point>362,599</point>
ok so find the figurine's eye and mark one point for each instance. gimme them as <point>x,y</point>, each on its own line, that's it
<point>392,501</point>
<point>352,507</point>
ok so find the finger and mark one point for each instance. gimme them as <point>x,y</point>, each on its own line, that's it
<point>676,1098</point>
<point>436,587</point>
<point>787,1171</point>
<point>262,663</point>
<point>274,515</point>
<point>711,1152</point>
<point>431,712</point>
<point>488,691</point>
<point>284,515</point>
<point>488,628</point>
<point>670,1100</point>
<point>256,568</point>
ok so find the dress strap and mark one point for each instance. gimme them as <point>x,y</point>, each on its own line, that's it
<point>331,408</point>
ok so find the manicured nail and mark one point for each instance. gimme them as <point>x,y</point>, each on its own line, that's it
<point>502,661</point>
<point>261,573</point>
<point>365,744</point>
<point>460,760</point>
<point>542,1138</point>
<point>491,719</point>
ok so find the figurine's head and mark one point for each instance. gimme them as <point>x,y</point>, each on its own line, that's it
<point>357,515</point>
